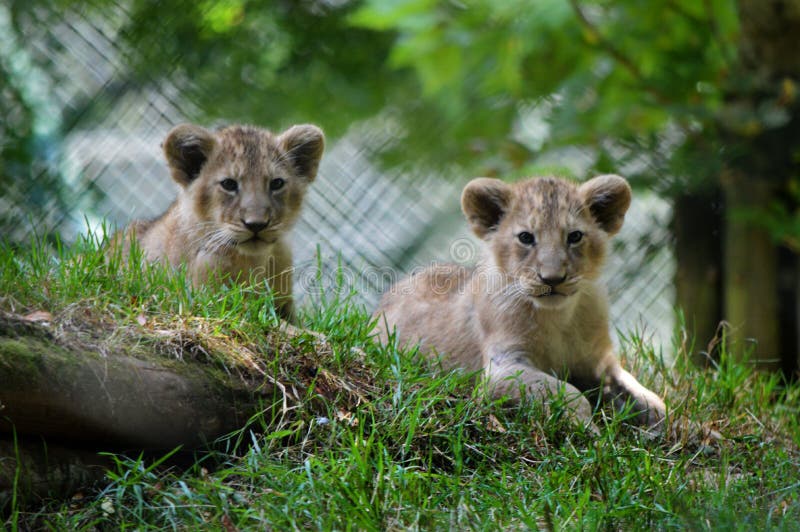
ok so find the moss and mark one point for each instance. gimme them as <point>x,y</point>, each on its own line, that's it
<point>14,327</point>
<point>25,359</point>
<point>28,350</point>
<point>20,355</point>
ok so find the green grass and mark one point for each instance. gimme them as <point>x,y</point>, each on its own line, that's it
<point>418,449</point>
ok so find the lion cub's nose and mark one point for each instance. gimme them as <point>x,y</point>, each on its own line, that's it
<point>255,227</point>
<point>552,280</point>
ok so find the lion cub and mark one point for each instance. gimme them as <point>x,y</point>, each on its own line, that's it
<point>241,190</point>
<point>531,314</point>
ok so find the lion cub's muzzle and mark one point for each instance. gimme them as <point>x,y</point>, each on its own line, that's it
<point>255,226</point>
<point>256,233</point>
<point>548,290</point>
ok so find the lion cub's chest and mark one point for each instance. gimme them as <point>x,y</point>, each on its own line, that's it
<point>255,267</point>
<point>559,348</point>
<point>563,342</point>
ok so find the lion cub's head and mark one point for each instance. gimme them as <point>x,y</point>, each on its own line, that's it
<point>244,184</point>
<point>547,235</point>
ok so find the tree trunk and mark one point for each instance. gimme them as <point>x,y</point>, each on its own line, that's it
<point>698,278</point>
<point>789,305</point>
<point>760,129</point>
<point>751,273</point>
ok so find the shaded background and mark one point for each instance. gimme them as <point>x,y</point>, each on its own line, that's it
<point>694,101</point>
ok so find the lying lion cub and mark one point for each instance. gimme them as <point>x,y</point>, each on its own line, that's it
<point>532,314</point>
<point>241,191</point>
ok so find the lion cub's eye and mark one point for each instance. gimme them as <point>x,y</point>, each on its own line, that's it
<point>276,184</point>
<point>526,238</point>
<point>229,184</point>
<point>574,237</point>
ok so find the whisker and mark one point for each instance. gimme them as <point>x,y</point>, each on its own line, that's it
<point>210,240</point>
<point>219,241</point>
<point>510,297</point>
<point>201,238</point>
<point>202,235</point>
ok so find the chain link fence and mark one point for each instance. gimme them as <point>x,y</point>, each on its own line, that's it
<point>96,157</point>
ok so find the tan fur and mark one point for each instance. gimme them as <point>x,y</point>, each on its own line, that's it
<point>504,318</point>
<point>239,232</point>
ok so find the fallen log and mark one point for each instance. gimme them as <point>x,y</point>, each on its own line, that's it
<point>35,469</point>
<point>61,403</point>
<point>80,397</point>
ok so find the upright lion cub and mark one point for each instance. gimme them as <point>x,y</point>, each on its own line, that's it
<point>241,190</point>
<point>532,314</point>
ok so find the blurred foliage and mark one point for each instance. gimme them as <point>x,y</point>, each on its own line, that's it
<point>264,61</point>
<point>490,87</point>
<point>636,81</point>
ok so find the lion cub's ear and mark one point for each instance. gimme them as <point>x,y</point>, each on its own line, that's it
<point>485,202</point>
<point>608,198</point>
<point>304,145</point>
<point>187,148</point>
